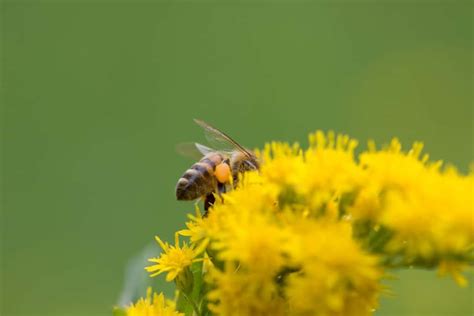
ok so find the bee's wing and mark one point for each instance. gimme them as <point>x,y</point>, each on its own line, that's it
<point>203,149</point>
<point>193,150</point>
<point>220,140</point>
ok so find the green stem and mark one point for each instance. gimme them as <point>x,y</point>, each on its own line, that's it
<point>193,304</point>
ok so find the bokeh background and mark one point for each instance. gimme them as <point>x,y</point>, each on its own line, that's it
<point>96,94</point>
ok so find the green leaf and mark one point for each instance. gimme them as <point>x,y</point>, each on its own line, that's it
<point>195,295</point>
<point>196,269</point>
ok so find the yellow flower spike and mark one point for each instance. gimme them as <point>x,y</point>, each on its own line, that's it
<point>163,246</point>
<point>416,150</point>
<point>318,140</point>
<point>330,137</point>
<point>395,145</point>
<point>371,146</point>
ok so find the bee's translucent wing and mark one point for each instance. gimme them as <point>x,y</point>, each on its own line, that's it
<point>193,150</point>
<point>203,149</point>
<point>222,141</point>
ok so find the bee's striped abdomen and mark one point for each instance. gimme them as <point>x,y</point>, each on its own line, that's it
<point>198,180</point>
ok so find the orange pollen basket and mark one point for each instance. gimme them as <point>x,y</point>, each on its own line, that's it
<point>222,173</point>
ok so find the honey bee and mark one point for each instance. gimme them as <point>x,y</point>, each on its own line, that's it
<point>218,169</point>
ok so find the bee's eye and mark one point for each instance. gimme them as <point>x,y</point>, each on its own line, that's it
<point>222,173</point>
<point>251,165</point>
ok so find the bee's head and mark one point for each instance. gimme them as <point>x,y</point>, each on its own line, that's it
<point>241,162</point>
<point>252,162</point>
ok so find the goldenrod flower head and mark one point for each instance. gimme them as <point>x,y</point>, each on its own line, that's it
<point>251,237</point>
<point>389,169</point>
<point>155,305</point>
<point>335,276</point>
<point>174,259</point>
<point>286,162</point>
<point>330,162</point>
<point>314,177</point>
<point>427,210</point>
<point>236,292</point>
<point>313,230</point>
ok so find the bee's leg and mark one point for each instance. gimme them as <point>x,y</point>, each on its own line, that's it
<point>208,202</point>
<point>210,199</point>
<point>221,188</point>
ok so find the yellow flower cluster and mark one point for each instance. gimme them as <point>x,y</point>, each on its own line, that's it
<point>153,306</point>
<point>313,231</point>
<point>403,207</point>
<point>286,265</point>
<point>426,212</point>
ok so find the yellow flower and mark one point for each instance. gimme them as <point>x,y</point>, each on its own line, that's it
<point>153,306</point>
<point>248,231</point>
<point>428,211</point>
<point>330,163</point>
<point>174,260</point>
<point>335,277</point>
<point>195,228</point>
<point>236,292</point>
<point>282,163</point>
<point>312,179</point>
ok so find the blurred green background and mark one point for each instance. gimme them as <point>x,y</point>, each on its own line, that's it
<point>97,93</point>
